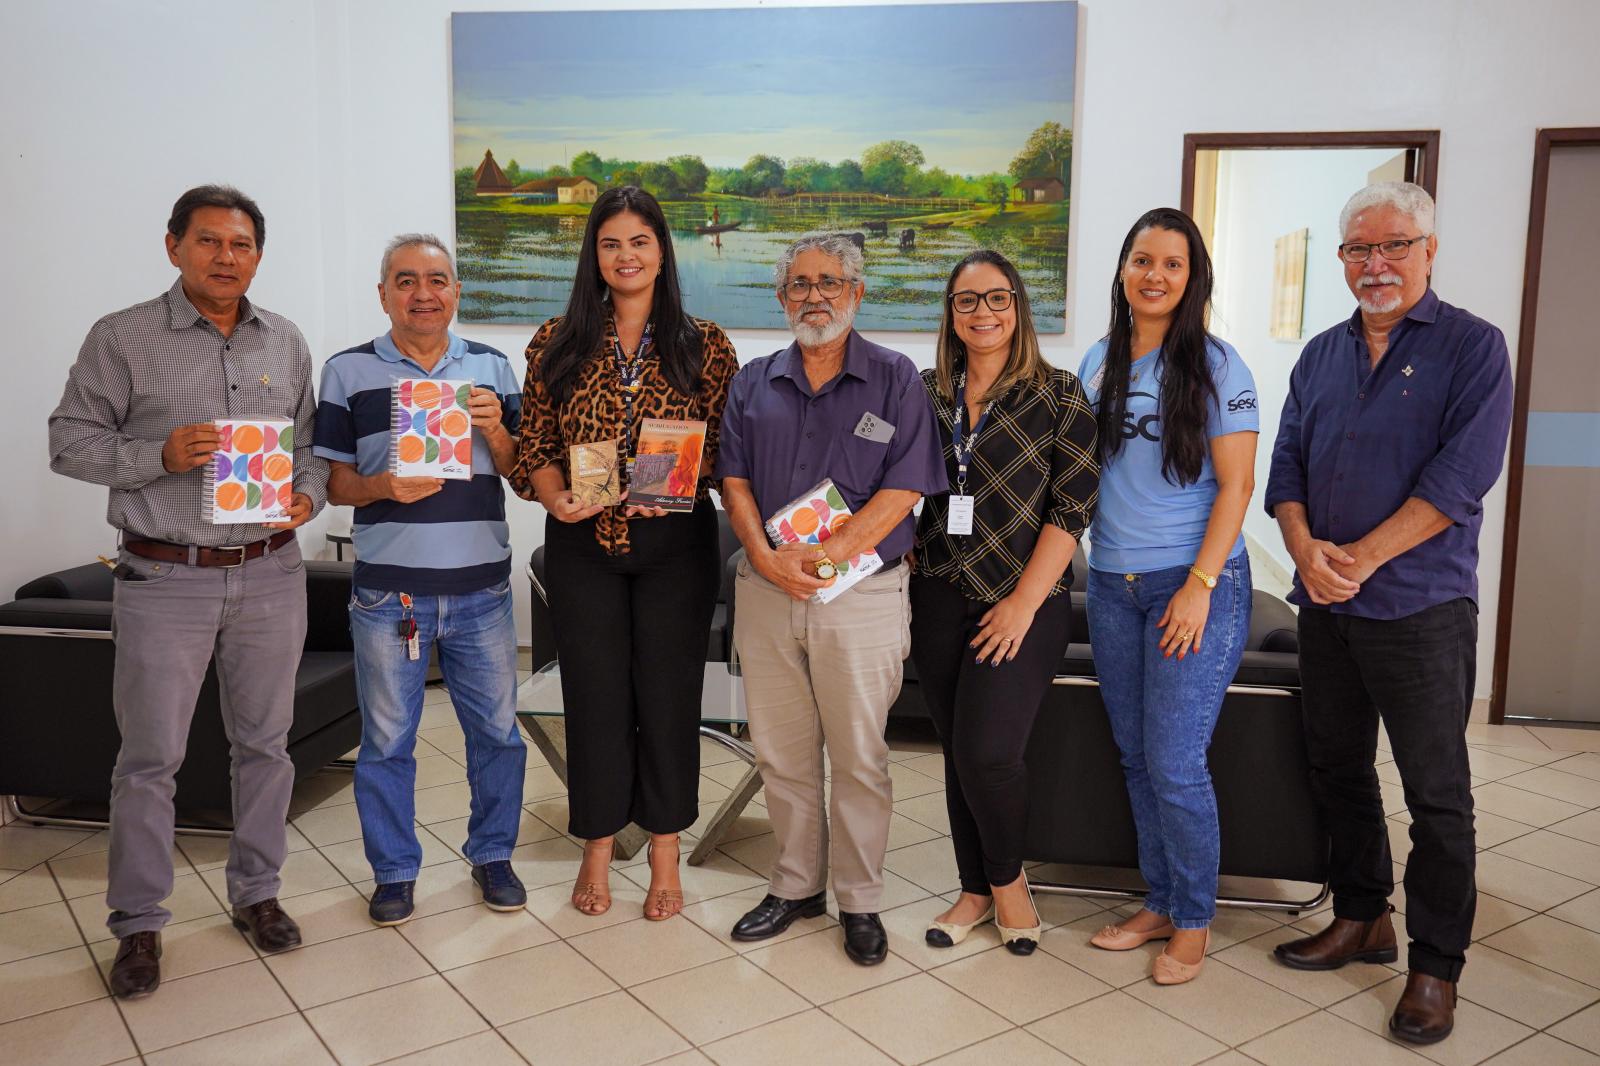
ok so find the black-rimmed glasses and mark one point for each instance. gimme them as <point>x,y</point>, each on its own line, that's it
<point>799,289</point>
<point>1356,252</point>
<point>966,301</point>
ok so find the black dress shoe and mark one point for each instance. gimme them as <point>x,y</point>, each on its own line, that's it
<point>773,915</point>
<point>864,939</point>
<point>267,926</point>
<point>137,969</point>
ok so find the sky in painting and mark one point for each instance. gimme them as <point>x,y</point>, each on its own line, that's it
<point>965,82</point>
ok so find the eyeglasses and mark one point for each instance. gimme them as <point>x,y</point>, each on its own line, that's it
<point>966,301</point>
<point>1360,253</point>
<point>798,289</point>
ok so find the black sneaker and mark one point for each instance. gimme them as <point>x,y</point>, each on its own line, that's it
<point>502,891</point>
<point>391,903</point>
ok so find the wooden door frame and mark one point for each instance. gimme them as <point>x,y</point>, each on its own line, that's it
<point>1546,140</point>
<point>1426,142</point>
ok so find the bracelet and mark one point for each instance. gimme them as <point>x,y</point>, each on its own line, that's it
<point>1208,580</point>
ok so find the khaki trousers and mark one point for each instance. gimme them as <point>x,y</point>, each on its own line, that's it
<point>815,678</point>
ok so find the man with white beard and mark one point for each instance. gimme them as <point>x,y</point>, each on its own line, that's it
<point>831,405</point>
<point>1393,432</point>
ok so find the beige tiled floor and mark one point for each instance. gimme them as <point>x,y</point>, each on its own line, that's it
<point>462,985</point>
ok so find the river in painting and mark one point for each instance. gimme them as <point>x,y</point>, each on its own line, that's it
<point>516,263</point>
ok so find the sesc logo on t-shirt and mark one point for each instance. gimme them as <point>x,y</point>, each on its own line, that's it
<point>1147,425</point>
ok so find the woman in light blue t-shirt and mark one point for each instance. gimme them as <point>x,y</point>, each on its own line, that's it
<point>1169,581</point>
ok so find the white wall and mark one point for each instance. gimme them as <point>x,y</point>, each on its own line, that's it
<point>335,115</point>
<point>1260,197</point>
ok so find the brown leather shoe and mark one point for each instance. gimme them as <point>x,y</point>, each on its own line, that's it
<point>1346,940</point>
<point>137,970</point>
<point>267,925</point>
<point>1427,1010</point>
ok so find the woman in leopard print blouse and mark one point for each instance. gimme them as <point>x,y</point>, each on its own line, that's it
<point>632,589</point>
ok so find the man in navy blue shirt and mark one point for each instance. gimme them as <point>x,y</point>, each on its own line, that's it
<point>1394,430</point>
<point>831,405</point>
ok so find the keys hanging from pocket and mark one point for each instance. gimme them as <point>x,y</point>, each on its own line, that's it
<point>408,629</point>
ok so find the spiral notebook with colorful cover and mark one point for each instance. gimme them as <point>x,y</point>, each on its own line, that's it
<point>431,431</point>
<point>250,478</point>
<point>814,518</point>
<point>665,469</point>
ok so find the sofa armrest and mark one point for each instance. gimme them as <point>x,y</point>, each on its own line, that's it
<point>91,581</point>
<point>91,616</point>
<point>328,605</point>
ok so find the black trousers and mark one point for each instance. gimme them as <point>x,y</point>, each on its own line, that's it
<point>1416,673</point>
<point>631,634</point>
<point>984,716</point>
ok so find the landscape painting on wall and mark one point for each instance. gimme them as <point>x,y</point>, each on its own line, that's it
<point>927,130</point>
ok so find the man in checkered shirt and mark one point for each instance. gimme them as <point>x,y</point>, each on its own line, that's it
<point>137,416</point>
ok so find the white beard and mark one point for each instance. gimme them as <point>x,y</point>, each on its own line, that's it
<point>811,336</point>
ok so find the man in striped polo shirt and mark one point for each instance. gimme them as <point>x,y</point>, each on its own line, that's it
<point>433,569</point>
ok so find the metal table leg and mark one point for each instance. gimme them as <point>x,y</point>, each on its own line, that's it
<point>737,800</point>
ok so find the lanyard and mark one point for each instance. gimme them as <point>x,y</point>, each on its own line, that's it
<point>964,444</point>
<point>630,374</point>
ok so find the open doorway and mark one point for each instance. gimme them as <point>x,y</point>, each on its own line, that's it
<point>1549,618</point>
<point>1268,205</point>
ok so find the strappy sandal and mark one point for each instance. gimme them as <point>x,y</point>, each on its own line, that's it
<point>661,903</point>
<point>593,897</point>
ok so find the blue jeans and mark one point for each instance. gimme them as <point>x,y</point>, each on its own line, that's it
<point>1162,713</point>
<point>476,635</point>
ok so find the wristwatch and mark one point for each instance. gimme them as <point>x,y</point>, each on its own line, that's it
<point>826,569</point>
<point>1208,580</point>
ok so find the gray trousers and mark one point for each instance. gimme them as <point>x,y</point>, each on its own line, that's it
<point>823,677</point>
<point>252,619</point>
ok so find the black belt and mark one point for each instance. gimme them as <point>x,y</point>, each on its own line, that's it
<point>237,555</point>
<point>886,567</point>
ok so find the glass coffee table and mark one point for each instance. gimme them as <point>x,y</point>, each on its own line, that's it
<point>542,717</point>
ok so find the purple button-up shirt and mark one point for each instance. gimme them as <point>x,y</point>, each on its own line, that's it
<point>783,438</point>
<point>1430,421</point>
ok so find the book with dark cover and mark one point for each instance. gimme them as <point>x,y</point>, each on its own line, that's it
<point>665,470</point>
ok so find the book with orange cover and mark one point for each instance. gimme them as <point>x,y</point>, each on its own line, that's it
<point>665,469</point>
<point>431,429</point>
<point>250,476</point>
<point>813,519</point>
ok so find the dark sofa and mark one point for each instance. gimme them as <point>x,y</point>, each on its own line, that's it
<point>58,734</point>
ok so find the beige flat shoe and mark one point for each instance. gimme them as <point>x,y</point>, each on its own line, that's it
<point>949,934</point>
<point>1169,971</point>
<point>1116,938</point>
<point>1024,940</point>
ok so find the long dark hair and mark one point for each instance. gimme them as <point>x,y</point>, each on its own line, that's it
<point>1025,363</point>
<point>1187,389</point>
<point>577,339</point>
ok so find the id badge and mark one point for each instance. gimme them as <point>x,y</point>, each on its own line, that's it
<point>959,520</point>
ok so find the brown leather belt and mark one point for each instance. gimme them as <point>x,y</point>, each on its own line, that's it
<point>238,555</point>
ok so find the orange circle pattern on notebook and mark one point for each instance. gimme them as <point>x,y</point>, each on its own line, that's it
<point>410,449</point>
<point>247,439</point>
<point>425,394</point>
<point>230,496</point>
